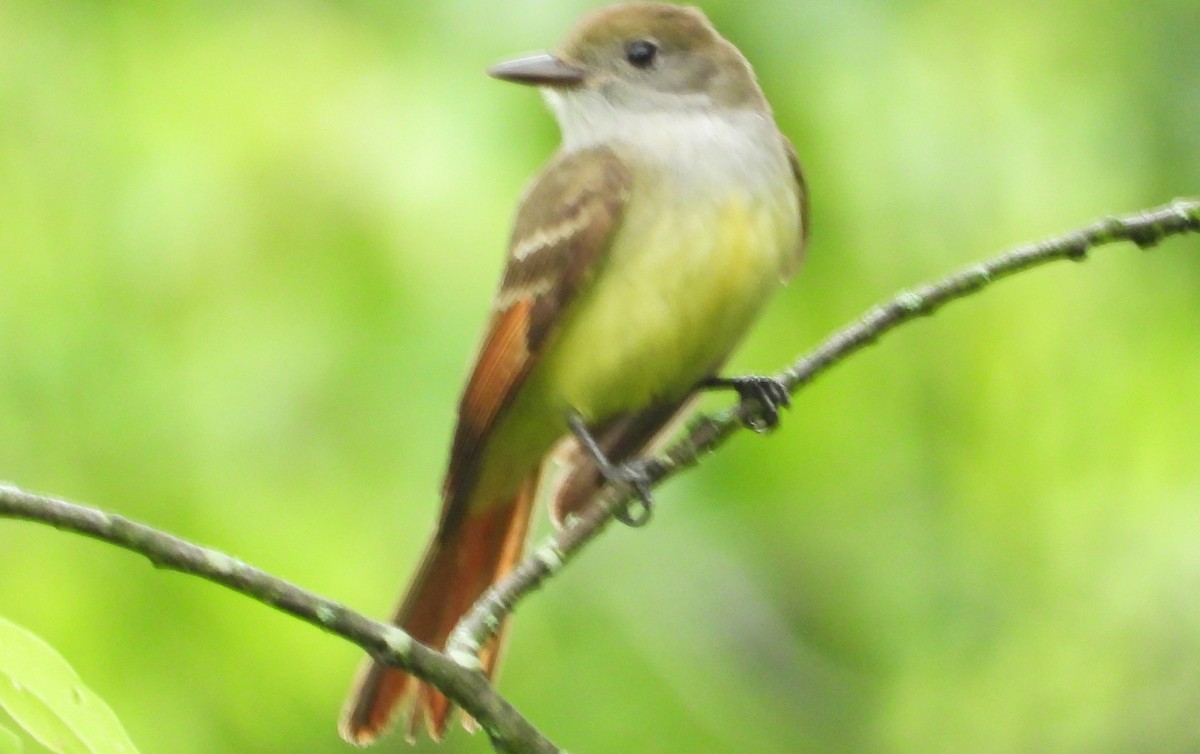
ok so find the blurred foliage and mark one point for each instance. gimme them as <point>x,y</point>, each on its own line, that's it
<point>46,698</point>
<point>246,250</point>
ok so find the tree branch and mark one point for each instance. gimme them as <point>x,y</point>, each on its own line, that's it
<point>1145,229</point>
<point>455,673</point>
<point>469,689</point>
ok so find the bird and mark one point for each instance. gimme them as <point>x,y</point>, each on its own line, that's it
<point>639,257</point>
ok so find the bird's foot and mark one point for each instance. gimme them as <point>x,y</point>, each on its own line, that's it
<point>633,475</point>
<point>761,397</point>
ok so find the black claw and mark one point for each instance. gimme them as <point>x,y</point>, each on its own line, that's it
<point>767,393</point>
<point>635,475</point>
<point>635,520</point>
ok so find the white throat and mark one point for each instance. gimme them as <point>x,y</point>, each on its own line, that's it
<point>720,144</point>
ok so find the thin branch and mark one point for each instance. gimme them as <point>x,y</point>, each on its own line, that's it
<point>508,729</point>
<point>1145,229</point>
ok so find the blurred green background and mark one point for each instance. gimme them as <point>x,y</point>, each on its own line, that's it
<point>246,250</point>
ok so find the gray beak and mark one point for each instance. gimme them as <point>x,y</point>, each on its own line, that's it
<point>543,69</point>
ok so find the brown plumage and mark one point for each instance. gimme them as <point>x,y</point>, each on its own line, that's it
<point>562,229</point>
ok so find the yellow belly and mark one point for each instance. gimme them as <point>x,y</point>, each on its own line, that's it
<point>676,293</point>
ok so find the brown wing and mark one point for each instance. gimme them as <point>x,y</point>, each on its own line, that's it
<point>802,188</point>
<point>563,229</point>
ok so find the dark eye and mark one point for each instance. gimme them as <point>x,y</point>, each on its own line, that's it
<point>641,53</point>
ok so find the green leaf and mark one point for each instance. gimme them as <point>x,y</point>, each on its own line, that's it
<point>44,696</point>
<point>10,743</point>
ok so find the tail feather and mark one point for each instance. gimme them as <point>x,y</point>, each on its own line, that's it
<point>477,550</point>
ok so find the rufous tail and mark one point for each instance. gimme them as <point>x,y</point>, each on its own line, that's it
<point>465,557</point>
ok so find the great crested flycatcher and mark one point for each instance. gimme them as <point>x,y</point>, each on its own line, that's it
<point>640,255</point>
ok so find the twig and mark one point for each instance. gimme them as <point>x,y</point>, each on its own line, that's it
<point>509,731</point>
<point>1145,229</point>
